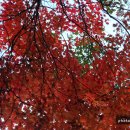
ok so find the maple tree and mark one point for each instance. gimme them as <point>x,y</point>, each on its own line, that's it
<point>59,69</point>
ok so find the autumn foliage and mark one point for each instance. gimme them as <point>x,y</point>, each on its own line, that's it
<point>59,69</point>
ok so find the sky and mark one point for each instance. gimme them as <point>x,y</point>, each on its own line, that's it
<point>108,28</point>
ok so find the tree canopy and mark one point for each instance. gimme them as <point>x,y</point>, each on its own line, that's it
<point>64,65</point>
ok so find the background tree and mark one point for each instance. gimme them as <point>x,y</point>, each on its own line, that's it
<point>59,69</point>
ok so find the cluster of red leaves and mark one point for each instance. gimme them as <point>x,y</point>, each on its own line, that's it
<point>42,84</point>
